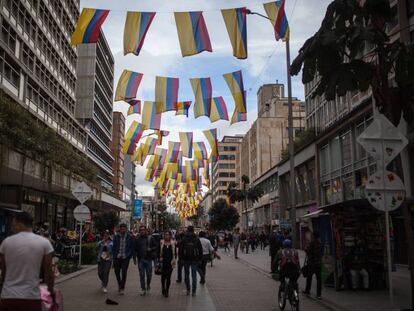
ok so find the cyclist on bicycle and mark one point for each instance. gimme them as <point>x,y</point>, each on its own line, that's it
<point>289,266</point>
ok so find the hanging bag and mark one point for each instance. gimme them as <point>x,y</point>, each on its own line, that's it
<point>306,269</point>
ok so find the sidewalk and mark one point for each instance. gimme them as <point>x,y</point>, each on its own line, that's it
<point>343,300</point>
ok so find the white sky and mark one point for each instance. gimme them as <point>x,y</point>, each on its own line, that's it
<point>161,56</point>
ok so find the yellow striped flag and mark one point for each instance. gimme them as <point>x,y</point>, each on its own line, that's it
<point>186,139</point>
<point>236,24</point>
<point>235,83</point>
<point>136,28</point>
<point>88,27</point>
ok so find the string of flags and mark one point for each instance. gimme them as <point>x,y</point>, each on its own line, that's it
<point>166,169</point>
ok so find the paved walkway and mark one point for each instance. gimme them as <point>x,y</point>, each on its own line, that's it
<point>344,300</point>
<point>231,286</point>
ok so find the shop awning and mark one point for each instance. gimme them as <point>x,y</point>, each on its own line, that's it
<point>314,214</point>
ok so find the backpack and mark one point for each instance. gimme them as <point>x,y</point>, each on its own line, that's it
<point>289,260</point>
<point>190,249</point>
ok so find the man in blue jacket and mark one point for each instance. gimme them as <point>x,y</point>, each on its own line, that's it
<point>123,247</point>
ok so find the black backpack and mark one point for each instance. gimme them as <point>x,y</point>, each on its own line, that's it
<point>190,249</point>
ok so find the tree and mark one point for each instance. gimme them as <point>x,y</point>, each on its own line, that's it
<point>223,216</point>
<point>168,221</point>
<point>337,54</point>
<point>105,221</point>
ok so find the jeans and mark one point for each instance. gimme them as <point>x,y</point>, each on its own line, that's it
<point>193,266</point>
<point>236,249</point>
<point>121,270</point>
<point>104,267</point>
<point>166,278</point>
<point>180,266</point>
<point>317,270</point>
<point>355,276</point>
<point>145,269</point>
<point>202,268</point>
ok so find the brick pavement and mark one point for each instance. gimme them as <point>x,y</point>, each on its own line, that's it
<point>231,286</point>
<point>344,300</point>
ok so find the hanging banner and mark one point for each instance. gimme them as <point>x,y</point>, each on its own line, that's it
<point>151,115</point>
<point>218,110</point>
<point>182,108</point>
<point>276,13</point>
<point>203,92</point>
<point>186,139</point>
<point>166,93</point>
<point>135,107</point>
<point>236,24</point>
<point>128,84</point>
<point>88,27</point>
<point>137,213</point>
<point>136,28</point>
<point>235,83</point>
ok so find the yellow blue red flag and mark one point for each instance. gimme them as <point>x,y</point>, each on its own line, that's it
<point>88,27</point>
<point>132,137</point>
<point>211,136</point>
<point>203,92</point>
<point>218,110</point>
<point>276,13</point>
<point>236,24</point>
<point>135,107</point>
<point>136,28</point>
<point>166,92</point>
<point>182,108</point>
<point>128,84</point>
<point>186,139</point>
<point>151,115</point>
<point>235,83</point>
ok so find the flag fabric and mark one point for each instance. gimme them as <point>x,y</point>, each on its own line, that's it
<point>128,85</point>
<point>135,107</point>
<point>189,171</point>
<point>200,151</point>
<point>238,117</point>
<point>192,33</point>
<point>151,115</point>
<point>218,110</point>
<point>186,139</point>
<point>136,28</point>
<point>276,13</point>
<point>211,136</point>
<point>162,153</point>
<point>138,154</point>
<point>160,135</point>
<point>88,27</point>
<point>132,137</point>
<point>182,108</point>
<point>236,24</point>
<point>180,161</point>
<point>173,150</point>
<point>235,83</point>
<point>166,92</point>
<point>203,92</point>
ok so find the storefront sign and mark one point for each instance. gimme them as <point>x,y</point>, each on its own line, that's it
<point>137,209</point>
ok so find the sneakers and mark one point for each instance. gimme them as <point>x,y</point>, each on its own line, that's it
<point>121,291</point>
<point>104,290</point>
<point>143,292</point>
<point>188,292</point>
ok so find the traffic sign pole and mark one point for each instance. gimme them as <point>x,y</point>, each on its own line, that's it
<point>80,244</point>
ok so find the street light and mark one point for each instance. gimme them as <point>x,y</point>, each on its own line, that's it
<point>291,146</point>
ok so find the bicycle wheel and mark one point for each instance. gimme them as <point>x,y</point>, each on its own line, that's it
<point>281,298</point>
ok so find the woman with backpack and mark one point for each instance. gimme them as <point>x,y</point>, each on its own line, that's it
<point>167,259</point>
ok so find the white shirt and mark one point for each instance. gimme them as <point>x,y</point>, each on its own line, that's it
<point>23,253</point>
<point>207,247</point>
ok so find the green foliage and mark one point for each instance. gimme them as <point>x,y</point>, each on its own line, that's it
<point>338,54</point>
<point>168,221</point>
<point>67,266</point>
<point>89,254</point>
<point>253,194</point>
<point>20,131</point>
<point>223,216</point>
<point>105,221</point>
<point>301,140</point>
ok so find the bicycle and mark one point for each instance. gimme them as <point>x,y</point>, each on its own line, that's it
<point>290,293</point>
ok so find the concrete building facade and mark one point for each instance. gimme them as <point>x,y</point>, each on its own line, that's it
<point>118,166</point>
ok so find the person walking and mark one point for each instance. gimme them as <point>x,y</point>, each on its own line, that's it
<point>208,251</point>
<point>144,250</point>
<point>104,250</point>
<point>314,261</point>
<point>180,264</point>
<point>123,248</point>
<point>168,256</point>
<point>226,242</point>
<point>274,246</point>
<point>191,252</point>
<point>236,242</point>
<point>262,239</point>
<point>22,257</point>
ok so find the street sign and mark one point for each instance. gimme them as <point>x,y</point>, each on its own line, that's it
<point>391,196</point>
<point>382,140</point>
<point>82,192</point>
<point>82,213</point>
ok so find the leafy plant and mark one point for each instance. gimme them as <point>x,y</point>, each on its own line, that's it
<point>67,266</point>
<point>253,194</point>
<point>223,216</point>
<point>89,254</point>
<point>105,221</point>
<point>301,140</point>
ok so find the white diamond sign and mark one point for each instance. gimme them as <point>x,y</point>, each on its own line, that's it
<point>82,192</point>
<point>382,139</point>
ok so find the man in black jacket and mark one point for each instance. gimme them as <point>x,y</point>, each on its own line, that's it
<point>145,249</point>
<point>122,253</point>
<point>180,264</point>
<point>314,257</point>
<point>191,252</point>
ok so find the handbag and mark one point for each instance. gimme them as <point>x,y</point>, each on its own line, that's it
<point>158,268</point>
<point>306,269</point>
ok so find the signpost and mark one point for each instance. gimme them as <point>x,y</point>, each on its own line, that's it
<point>82,193</point>
<point>385,191</point>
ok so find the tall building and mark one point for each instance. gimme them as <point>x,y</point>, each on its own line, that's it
<point>94,92</point>
<point>118,132</point>
<point>225,170</point>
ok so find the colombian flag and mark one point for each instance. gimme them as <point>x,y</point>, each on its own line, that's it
<point>211,136</point>
<point>236,24</point>
<point>132,137</point>
<point>276,13</point>
<point>238,117</point>
<point>203,92</point>
<point>88,26</point>
<point>218,110</point>
<point>136,28</point>
<point>200,151</point>
<point>137,157</point>
<point>192,33</point>
<point>235,82</point>
<point>180,161</point>
<point>135,107</point>
<point>160,135</point>
<point>173,150</point>
<point>151,115</point>
<point>162,153</point>
<point>128,85</point>
<point>166,92</point>
<point>186,139</point>
<point>182,108</point>
<point>149,146</point>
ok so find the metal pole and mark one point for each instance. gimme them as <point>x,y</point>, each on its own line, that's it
<point>291,148</point>
<point>80,244</point>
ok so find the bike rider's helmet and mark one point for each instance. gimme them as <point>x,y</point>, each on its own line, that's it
<point>287,243</point>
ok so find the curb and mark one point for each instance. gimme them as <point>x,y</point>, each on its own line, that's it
<point>70,276</point>
<point>328,304</point>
